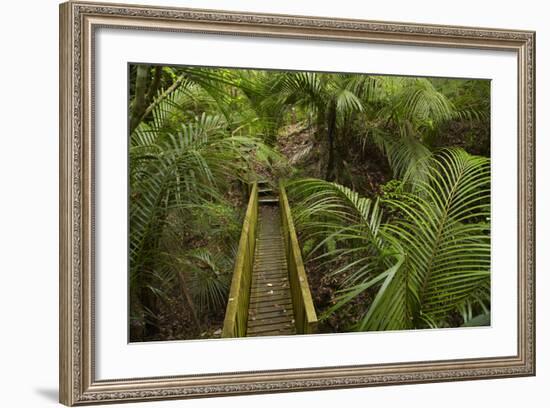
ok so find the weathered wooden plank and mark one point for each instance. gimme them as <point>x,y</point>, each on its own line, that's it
<point>270,309</point>
<point>261,301</point>
<point>268,325</point>
<point>266,313</point>
<point>271,327</point>
<point>278,264</point>
<point>268,291</point>
<point>274,254</point>
<point>276,283</point>
<point>254,322</point>
<point>271,275</point>
<point>280,299</point>
<point>278,267</point>
<point>271,249</point>
<point>274,311</point>
<point>272,257</point>
<point>265,290</point>
<point>275,333</point>
<point>274,280</point>
<point>270,306</point>
<point>263,282</point>
<point>281,268</point>
<point>277,300</point>
<point>272,269</point>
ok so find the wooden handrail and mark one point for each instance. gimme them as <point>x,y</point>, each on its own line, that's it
<point>304,311</point>
<point>236,313</point>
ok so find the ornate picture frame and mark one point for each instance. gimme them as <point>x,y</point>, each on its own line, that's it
<point>78,24</point>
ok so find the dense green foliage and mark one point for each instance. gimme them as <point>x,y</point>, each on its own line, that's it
<point>184,223</point>
<point>430,260</point>
<point>388,177</point>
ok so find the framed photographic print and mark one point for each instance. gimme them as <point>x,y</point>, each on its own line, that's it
<point>262,203</point>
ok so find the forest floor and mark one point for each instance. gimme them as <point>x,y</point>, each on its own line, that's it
<point>363,171</point>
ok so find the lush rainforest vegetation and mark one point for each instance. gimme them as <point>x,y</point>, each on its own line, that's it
<point>388,180</point>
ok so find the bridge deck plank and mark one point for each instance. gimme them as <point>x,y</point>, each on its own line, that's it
<point>270,310</point>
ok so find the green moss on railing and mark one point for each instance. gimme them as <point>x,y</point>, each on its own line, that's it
<point>236,314</point>
<point>304,311</point>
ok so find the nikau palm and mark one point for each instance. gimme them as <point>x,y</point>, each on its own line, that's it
<point>420,266</point>
<point>408,250</point>
<point>178,173</point>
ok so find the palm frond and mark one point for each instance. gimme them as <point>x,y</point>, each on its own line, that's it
<point>419,267</point>
<point>444,235</point>
<point>209,278</point>
<point>419,101</point>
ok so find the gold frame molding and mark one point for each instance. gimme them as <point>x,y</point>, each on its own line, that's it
<point>78,22</point>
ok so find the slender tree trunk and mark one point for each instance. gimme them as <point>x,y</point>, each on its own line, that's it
<point>189,300</point>
<point>139,103</point>
<point>331,133</point>
<point>154,87</point>
<point>149,303</point>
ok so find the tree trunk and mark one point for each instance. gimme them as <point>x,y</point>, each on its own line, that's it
<point>189,300</point>
<point>139,103</point>
<point>331,133</point>
<point>149,304</point>
<point>154,87</point>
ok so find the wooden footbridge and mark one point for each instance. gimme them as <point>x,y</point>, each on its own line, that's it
<point>269,292</point>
